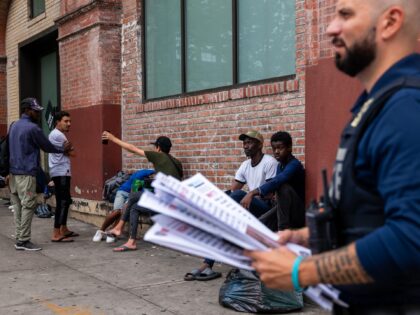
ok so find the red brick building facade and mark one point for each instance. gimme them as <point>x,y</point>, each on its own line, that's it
<point>101,83</point>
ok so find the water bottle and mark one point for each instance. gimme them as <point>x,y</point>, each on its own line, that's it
<point>136,185</point>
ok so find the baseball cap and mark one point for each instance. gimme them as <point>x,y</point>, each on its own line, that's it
<point>31,103</point>
<point>252,134</point>
<point>163,142</point>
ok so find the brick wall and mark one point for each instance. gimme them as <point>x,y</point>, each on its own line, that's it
<point>3,99</point>
<point>4,7</point>
<point>205,127</point>
<point>19,29</point>
<point>90,49</point>
<point>100,64</point>
<point>90,67</point>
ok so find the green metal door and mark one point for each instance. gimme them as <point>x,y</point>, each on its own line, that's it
<point>49,90</point>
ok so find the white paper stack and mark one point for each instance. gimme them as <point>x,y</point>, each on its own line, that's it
<point>197,218</point>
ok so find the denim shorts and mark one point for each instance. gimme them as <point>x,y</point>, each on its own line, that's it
<point>120,199</point>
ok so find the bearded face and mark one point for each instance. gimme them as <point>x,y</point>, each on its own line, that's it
<point>356,57</point>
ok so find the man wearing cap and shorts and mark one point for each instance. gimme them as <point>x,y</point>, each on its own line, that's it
<point>26,139</point>
<point>254,172</point>
<point>162,162</point>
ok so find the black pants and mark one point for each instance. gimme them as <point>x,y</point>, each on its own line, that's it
<point>288,213</point>
<point>378,310</point>
<point>62,200</point>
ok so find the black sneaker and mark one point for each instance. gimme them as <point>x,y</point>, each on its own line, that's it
<point>28,245</point>
<point>19,245</point>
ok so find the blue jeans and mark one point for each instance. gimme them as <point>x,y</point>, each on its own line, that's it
<point>120,198</point>
<point>257,207</point>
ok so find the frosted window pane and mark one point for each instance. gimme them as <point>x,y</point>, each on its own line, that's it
<point>266,39</point>
<point>163,48</point>
<point>209,44</point>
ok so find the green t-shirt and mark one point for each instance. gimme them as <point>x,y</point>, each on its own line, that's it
<point>163,163</point>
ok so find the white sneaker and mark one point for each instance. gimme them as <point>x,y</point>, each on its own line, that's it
<point>99,236</point>
<point>110,238</point>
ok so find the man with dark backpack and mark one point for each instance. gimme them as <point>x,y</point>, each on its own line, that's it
<point>26,139</point>
<point>162,162</point>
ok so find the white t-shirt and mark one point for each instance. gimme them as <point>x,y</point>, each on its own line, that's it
<point>255,176</point>
<point>58,162</point>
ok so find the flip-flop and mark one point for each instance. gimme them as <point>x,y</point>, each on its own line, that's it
<point>63,239</point>
<point>208,274</point>
<point>190,276</point>
<point>123,248</point>
<point>72,234</point>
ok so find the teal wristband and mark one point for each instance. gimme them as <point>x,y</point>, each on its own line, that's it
<point>295,274</point>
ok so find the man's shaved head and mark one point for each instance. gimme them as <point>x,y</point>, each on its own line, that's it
<point>411,9</point>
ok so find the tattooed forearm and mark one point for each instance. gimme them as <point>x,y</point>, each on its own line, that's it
<point>341,266</point>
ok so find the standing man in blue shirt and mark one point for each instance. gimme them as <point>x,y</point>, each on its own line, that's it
<point>376,182</point>
<point>288,184</point>
<point>25,140</point>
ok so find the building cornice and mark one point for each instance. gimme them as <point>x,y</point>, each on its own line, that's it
<point>89,27</point>
<point>86,8</point>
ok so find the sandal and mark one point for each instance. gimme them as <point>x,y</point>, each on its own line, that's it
<point>190,276</point>
<point>71,234</point>
<point>208,274</point>
<point>63,239</point>
<point>123,248</point>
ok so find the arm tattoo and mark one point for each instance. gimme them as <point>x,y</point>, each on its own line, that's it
<point>341,266</point>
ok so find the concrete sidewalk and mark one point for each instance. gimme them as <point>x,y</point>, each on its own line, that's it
<point>87,278</point>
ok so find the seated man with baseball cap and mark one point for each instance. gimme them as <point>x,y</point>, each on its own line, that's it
<point>255,171</point>
<point>288,185</point>
<point>162,162</point>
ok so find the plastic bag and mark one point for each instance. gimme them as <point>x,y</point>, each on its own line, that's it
<point>244,292</point>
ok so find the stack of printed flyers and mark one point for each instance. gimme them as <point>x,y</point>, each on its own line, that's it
<point>197,218</point>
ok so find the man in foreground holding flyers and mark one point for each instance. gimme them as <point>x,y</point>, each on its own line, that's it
<point>376,184</point>
<point>199,219</point>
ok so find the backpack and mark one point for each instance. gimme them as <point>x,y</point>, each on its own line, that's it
<point>112,184</point>
<point>5,154</point>
<point>43,211</point>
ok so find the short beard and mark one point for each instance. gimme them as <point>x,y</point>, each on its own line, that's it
<point>359,56</point>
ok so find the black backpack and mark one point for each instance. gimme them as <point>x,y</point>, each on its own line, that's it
<point>112,184</point>
<point>5,155</point>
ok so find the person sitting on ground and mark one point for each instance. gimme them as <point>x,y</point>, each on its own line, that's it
<point>258,169</point>
<point>121,197</point>
<point>288,184</point>
<point>255,171</point>
<point>162,162</point>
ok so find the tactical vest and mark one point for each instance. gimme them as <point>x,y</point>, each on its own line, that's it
<point>360,209</point>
